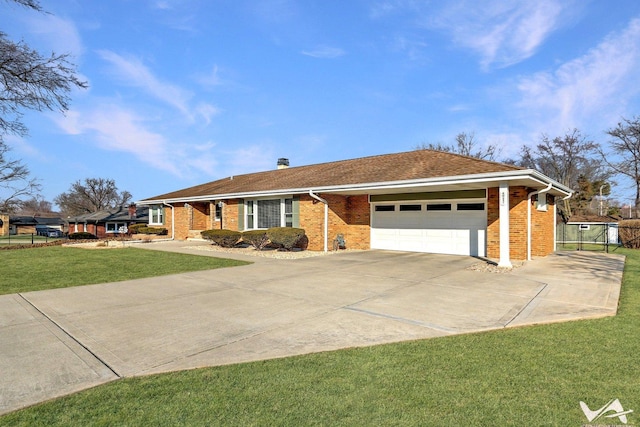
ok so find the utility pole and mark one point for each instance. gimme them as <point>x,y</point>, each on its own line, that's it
<point>601,198</point>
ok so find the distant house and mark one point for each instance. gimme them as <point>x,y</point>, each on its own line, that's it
<point>422,201</point>
<point>107,223</point>
<point>45,226</point>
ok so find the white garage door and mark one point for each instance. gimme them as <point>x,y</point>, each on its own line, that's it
<point>455,227</point>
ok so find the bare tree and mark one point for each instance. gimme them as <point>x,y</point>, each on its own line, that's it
<point>93,195</point>
<point>14,181</point>
<point>35,206</point>
<point>626,145</point>
<point>571,160</point>
<point>467,145</point>
<point>31,81</point>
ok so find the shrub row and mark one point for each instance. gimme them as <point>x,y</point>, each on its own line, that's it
<point>35,245</point>
<point>282,237</point>
<point>82,235</point>
<point>150,230</point>
<point>134,228</point>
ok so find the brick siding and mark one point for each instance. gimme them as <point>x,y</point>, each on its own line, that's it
<point>351,216</point>
<point>541,225</point>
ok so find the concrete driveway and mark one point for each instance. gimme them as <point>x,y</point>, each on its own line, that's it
<point>60,341</point>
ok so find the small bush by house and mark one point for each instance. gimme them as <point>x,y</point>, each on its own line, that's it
<point>135,228</point>
<point>629,233</point>
<point>224,238</point>
<point>285,237</point>
<point>152,230</point>
<point>82,235</point>
<point>256,238</point>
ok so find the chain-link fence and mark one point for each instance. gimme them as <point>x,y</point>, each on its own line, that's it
<point>28,239</point>
<point>588,236</point>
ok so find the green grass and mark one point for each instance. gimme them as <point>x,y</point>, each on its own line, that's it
<point>36,269</point>
<point>595,247</point>
<point>531,376</point>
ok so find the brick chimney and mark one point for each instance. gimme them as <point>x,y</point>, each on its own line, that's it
<point>283,163</point>
<point>132,211</point>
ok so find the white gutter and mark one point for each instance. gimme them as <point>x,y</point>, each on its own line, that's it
<point>326,218</point>
<point>544,190</point>
<point>173,220</point>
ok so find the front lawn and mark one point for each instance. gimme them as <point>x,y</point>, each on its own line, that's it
<point>36,269</point>
<point>529,376</point>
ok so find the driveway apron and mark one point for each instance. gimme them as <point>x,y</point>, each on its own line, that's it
<point>59,341</point>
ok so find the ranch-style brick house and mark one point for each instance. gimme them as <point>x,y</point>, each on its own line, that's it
<point>422,201</point>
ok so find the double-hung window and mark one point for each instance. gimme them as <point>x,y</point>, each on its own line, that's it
<point>156,215</point>
<point>267,213</point>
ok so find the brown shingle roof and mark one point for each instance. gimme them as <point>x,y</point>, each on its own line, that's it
<point>419,164</point>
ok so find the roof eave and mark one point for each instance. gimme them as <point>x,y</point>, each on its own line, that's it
<point>490,177</point>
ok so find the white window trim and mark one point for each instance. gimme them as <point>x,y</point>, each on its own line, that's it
<point>118,226</point>
<point>255,211</point>
<point>217,205</point>
<point>156,208</point>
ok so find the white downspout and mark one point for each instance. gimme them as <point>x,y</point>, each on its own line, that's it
<point>173,220</point>
<point>544,190</point>
<point>326,218</point>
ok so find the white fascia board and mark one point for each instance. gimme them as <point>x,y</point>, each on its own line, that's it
<point>526,174</point>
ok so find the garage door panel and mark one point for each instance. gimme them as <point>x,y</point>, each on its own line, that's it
<point>449,232</point>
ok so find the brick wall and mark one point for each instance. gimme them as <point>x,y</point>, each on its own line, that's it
<point>542,236</point>
<point>182,220</point>
<point>4,229</point>
<point>348,215</point>
<point>542,225</point>
<point>166,214</point>
<point>200,216</point>
<point>230,215</point>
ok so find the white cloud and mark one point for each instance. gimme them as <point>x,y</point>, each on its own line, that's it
<point>207,111</point>
<point>133,72</point>
<point>23,148</point>
<point>250,158</point>
<point>60,34</point>
<point>117,129</point>
<point>502,33</point>
<point>598,84</point>
<point>211,79</point>
<point>324,52</point>
<point>163,5</point>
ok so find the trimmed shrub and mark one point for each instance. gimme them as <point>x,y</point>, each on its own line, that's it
<point>82,235</point>
<point>285,237</point>
<point>256,238</point>
<point>135,228</point>
<point>154,230</point>
<point>629,233</point>
<point>224,238</point>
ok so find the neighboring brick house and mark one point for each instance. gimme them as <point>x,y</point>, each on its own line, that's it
<point>28,224</point>
<point>108,223</point>
<point>423,201</point>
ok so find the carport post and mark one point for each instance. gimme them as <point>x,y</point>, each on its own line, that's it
<point>503,196</point>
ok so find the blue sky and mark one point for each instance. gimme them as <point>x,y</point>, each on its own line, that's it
<point>183,91</point>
